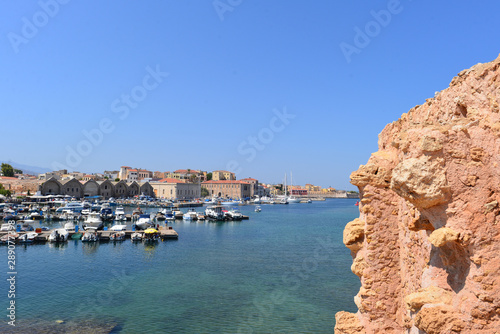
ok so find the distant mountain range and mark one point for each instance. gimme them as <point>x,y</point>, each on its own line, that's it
<point>32,170</point>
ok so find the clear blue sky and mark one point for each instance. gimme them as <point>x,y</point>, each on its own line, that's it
<point>81,66</point>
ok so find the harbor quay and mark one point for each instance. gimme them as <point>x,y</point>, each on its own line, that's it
<point>165,233</point>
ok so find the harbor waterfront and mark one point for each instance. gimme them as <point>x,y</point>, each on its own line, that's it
<point>285,270</point>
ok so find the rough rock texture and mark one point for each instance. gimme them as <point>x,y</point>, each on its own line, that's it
<point>427,244</point>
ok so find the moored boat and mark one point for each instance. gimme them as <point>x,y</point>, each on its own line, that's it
<point>144,222</point>
<point>90,236</point>
<point>28,237</point>
<point>136,236</point>
<point>93,221</point>
<point>59,235</point>
<point>117,236</point>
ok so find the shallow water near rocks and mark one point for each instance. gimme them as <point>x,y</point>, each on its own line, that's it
<point>285,270</point>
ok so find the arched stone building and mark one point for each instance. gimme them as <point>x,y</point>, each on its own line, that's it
<point>72,188</point>
<point>90,188</point>
<point>51,187</point>
<point>147,189</point>
<point>106,189</point>
<point>121,189</point>
<point>133,189</point>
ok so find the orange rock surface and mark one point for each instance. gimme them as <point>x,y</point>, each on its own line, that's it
<point>427,244</point>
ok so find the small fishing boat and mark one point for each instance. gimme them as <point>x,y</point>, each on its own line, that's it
<point>190,215</point>
<point>90,236</point>
<point>59,235</point>
<point>28,237</point>
<point>258,208</point>
<point>215,212</point>
<point>12,237</point>
<point>151,235</point>
<point>136,236</point>
<point>117,236</point>
<point>160,216</point>
<point>76,236</point>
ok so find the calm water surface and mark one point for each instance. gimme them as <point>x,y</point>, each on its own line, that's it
<point>283,271</point>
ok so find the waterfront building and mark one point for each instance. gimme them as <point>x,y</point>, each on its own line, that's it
<point>254,186</point>
<point>188,175</point>
<point>106,188</point>
<point>90,188</point>
<point>176,189</point>
<point>55,174</point>
<point>228,188</point>
<point>220,175</point>
<point>144,174</point>
<point>111,175</point>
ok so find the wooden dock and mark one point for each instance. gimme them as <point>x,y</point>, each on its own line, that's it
<point>166,233</point>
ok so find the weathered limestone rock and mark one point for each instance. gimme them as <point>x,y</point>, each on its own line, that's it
<point>443,235</point>
<point>422,181</point>
<point>427,243</point>
<point>348,323</point>
<point>439,320</point>
<point>430,295</point>
<point>354,233</point>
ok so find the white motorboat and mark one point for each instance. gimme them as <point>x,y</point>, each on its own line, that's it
<point>73,206</point>
<point>118,227</point>
<point>36,215</point>
<point>117,236</point>
<point>144,222</point>
<point>120,214</point>
<point>70,226</point>
<point>28,237</point>
<point>200,216</point>
<point>215,212</point>
<point>136,236</point>
<point>93,221</point>
<point>90,236</point>
<point>169,215</point>
<point>258,208</point>
<point>7,227</point>
<point>293,199</point>
<point>234,214</point>
<point>59,235</point>
<point>283,200</point>
<point>190,215</point>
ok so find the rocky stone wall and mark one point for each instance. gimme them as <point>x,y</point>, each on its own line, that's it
<point>426,245</point>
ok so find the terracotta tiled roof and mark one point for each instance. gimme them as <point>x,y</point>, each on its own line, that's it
<point>170,180</point>
<point>8,178</point>
<point>225,182</point>
<point>250,179</point>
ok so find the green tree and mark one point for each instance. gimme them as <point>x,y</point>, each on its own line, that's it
<point>7,170</point>
<point>18,171</point>
<point>204,192</point>
<point>117,179</point>
<point>4,191</point>
<point>209,176</point>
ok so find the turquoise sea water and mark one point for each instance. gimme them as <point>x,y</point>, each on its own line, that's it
<point>283,271</point>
